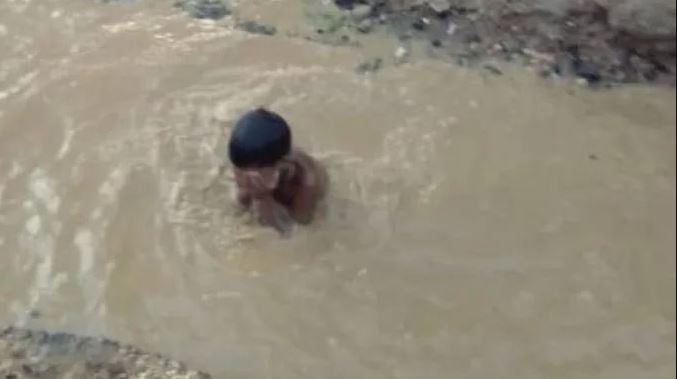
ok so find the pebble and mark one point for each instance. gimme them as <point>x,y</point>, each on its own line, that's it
<point>538,56</point>
<point>34,314</point>
<point>369,66</point>
<point>419,25</point>
<point>361,12</point>
<point>439,6</point>
<point>365,26</point>
<point>255,27</point>
<point>582,68</point>
<point>589,72</point>
<point>204,9</point>
<point>451,29</point>
<point>401,53</point>
<point>492,68</point>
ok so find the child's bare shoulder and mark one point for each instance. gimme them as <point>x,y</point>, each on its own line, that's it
<point>316,175</point>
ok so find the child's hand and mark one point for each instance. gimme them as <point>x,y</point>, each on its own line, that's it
<point>254,184</point>
<point>272,214</point>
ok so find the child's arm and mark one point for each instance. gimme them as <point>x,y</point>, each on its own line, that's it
<point>243,198</point>
<point>311,191</point>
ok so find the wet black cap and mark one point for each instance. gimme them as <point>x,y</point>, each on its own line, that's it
<point>260,138</point>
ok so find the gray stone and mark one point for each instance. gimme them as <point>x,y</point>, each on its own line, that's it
<point>27,354</point>
<point>439,6</point>
<point>329,20</point>
<point>492,68</point>
<point>401,55</point>
<point>361,11</point>
<point>256,27</point>
<point>369,66</point>
<point>365,26</point>
<point>204,9</point>
<point>646,17</point>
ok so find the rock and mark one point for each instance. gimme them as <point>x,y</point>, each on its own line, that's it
<point>492,68</point>
<point>329,21</point>
<point>361,11</point>
<point>365,26</point>
<point>538,57</point>
<point>582,68</point>
<point>418,24</point>
<point>589,72</point>
<point>643,67</point>
<point>401,54</point>
<point>619,40</point>
<point>405,35</point>
<point>645,17</point>
<point>439,6</point>
<point>471,5</point>
<point>204,9</point>
<point>27,354</point>
<point>451,28</point>
<point>369,66</point>
<point>511,45</point>
<point>345,4</point>
<point>256,27</point>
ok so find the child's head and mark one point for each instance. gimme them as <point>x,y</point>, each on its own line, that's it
<point>260,139</point>
<point>258,145</point>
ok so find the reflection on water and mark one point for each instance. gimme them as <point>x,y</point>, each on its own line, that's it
<point>477,226</point>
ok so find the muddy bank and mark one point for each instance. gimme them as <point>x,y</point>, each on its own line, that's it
<point>26,354</point>
<point>598,41</point>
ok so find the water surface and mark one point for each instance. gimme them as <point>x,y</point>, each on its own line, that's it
<point>478,226</point>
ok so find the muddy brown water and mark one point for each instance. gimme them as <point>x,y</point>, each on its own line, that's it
<point>478,226</point>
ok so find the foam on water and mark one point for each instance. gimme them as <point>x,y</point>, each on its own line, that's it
<point>43,188</point>
<point>66,144</point>
<point>84,241</point>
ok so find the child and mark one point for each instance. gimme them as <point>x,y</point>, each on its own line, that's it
<point>281,184</point>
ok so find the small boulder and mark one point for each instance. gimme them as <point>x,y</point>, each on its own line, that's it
<point>650,18</point>
<point>256,27</point>
<point>365,26</point>
<point>439,6</point>
<point>360,12</point>
<point>369,66</point>
<point>204,9</point>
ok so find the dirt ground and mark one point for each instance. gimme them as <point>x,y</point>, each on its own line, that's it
<point>598,41</point>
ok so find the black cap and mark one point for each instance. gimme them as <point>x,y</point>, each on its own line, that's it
<point>260,138</point>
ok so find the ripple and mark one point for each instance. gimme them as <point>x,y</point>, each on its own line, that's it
<point>84,241</point>
<point>44,189</point>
